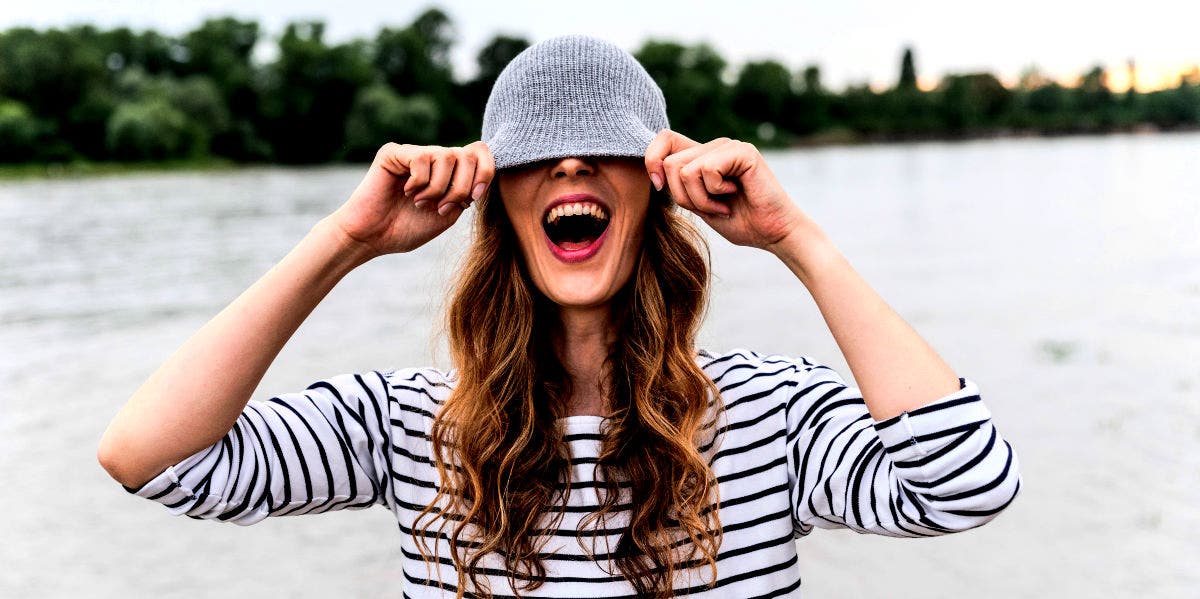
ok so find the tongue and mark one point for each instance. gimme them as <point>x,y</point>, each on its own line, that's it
<point>571,246</point>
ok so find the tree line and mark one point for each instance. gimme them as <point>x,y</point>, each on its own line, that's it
<point>84,93</point>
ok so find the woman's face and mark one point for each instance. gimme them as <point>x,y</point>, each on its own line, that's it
<point>579,223</point>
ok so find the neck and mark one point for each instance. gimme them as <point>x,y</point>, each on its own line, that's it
<point>587,336</point>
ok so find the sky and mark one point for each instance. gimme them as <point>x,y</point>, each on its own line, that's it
<point>854,41</point>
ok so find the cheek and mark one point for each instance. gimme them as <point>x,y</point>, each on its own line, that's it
<point>631,253</point>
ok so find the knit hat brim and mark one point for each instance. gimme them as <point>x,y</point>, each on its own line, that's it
<point>625,136</point>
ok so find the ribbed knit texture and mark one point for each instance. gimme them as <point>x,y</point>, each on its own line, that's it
<point>572,96</point>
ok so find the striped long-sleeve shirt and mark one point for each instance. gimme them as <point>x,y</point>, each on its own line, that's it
<point>796,449</point>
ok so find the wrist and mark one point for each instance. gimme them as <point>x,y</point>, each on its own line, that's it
<point>344,249</point>
<point>806,250</point>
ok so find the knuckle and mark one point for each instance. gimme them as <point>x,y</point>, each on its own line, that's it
<point>387,149</point>
<point>481,149</point>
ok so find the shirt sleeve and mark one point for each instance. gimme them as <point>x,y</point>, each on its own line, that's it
<point>323,449</point>
<point>937,469</point>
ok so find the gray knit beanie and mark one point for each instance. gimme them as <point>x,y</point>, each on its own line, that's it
<point>572,96</point>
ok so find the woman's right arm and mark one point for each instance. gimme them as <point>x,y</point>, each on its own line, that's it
<point>409,195</point>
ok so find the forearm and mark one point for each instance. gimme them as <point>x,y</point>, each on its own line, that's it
<point>896,370</point>
<point>195,397</point>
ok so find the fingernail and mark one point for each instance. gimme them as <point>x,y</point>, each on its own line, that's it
<point>478,191</point>
<point>444,209</point>
<point>421,203</point>
<point>656,180</point>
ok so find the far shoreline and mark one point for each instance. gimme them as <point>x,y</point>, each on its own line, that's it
<point>826,139</point>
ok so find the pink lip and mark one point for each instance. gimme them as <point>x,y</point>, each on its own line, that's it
<point>579,255</point>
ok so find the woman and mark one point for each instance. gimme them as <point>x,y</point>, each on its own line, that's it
<point>582,445</point>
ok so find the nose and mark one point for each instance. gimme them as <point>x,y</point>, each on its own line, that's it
<point>572,167</point>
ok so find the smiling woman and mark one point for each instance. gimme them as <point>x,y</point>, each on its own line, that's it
<point>581,446</point>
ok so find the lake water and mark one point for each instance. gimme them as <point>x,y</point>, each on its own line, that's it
<point>1061,275</point>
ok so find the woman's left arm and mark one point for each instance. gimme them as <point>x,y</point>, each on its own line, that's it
<point>729,185</point>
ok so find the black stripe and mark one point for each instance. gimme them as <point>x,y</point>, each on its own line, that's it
<point>936,435</point>
<point>858,470</point>
<point>929,458</point>
<point>299,454</point>
<point>329,482</point>
<point>828,486</point>
<point>971,463</point>
<point>266,456</point>
<point>989,512</point>
<point>282,460</point>
<point>757,375</point>
<point>600,557</point>
<point>982,488</point>
<point>933,407</point>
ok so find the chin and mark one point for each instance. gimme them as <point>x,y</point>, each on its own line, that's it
<point>578,290</point>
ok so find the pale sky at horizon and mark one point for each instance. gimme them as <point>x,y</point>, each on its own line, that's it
<point>853,41</point>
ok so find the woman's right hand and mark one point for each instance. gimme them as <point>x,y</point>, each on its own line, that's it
<point>412,193</point>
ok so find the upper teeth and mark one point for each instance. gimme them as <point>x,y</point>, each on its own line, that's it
<point>577,208</point>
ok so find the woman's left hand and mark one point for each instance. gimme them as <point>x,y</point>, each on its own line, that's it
<point>728,184</point>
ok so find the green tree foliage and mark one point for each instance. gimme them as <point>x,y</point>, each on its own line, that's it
<point>117,94</point>
<point>49,71</point>
<point>416,60</point>
<point>222,50</point>
<point>1179,107</point>
<point>698,100</point>
<point>807,111</point>
<point>148,130</point>
<point>490,61</point>
<point>760,97</point>
<point>308,92</point>
<point>19,132</point>
<point>972,100</point>
<point>381,115</point>
<point>908,71</point>
<point>149,103</point>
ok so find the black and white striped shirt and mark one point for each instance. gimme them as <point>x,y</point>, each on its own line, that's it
<point>796,449</point>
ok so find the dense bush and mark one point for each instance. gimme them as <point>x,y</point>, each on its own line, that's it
<point>19,132</point>
<point>380,115</point>
<point>149,130</point>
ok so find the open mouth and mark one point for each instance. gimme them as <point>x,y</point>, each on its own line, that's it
<point>575,228</point>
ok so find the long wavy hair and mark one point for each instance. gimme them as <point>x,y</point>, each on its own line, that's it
<point>499,453</point>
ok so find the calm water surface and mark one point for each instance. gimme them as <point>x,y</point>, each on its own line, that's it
<point>1061,275</point>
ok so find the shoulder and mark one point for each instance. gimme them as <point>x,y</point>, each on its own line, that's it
<point>747,379</point>
<point>421,389</point>
<point>738,367</point>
